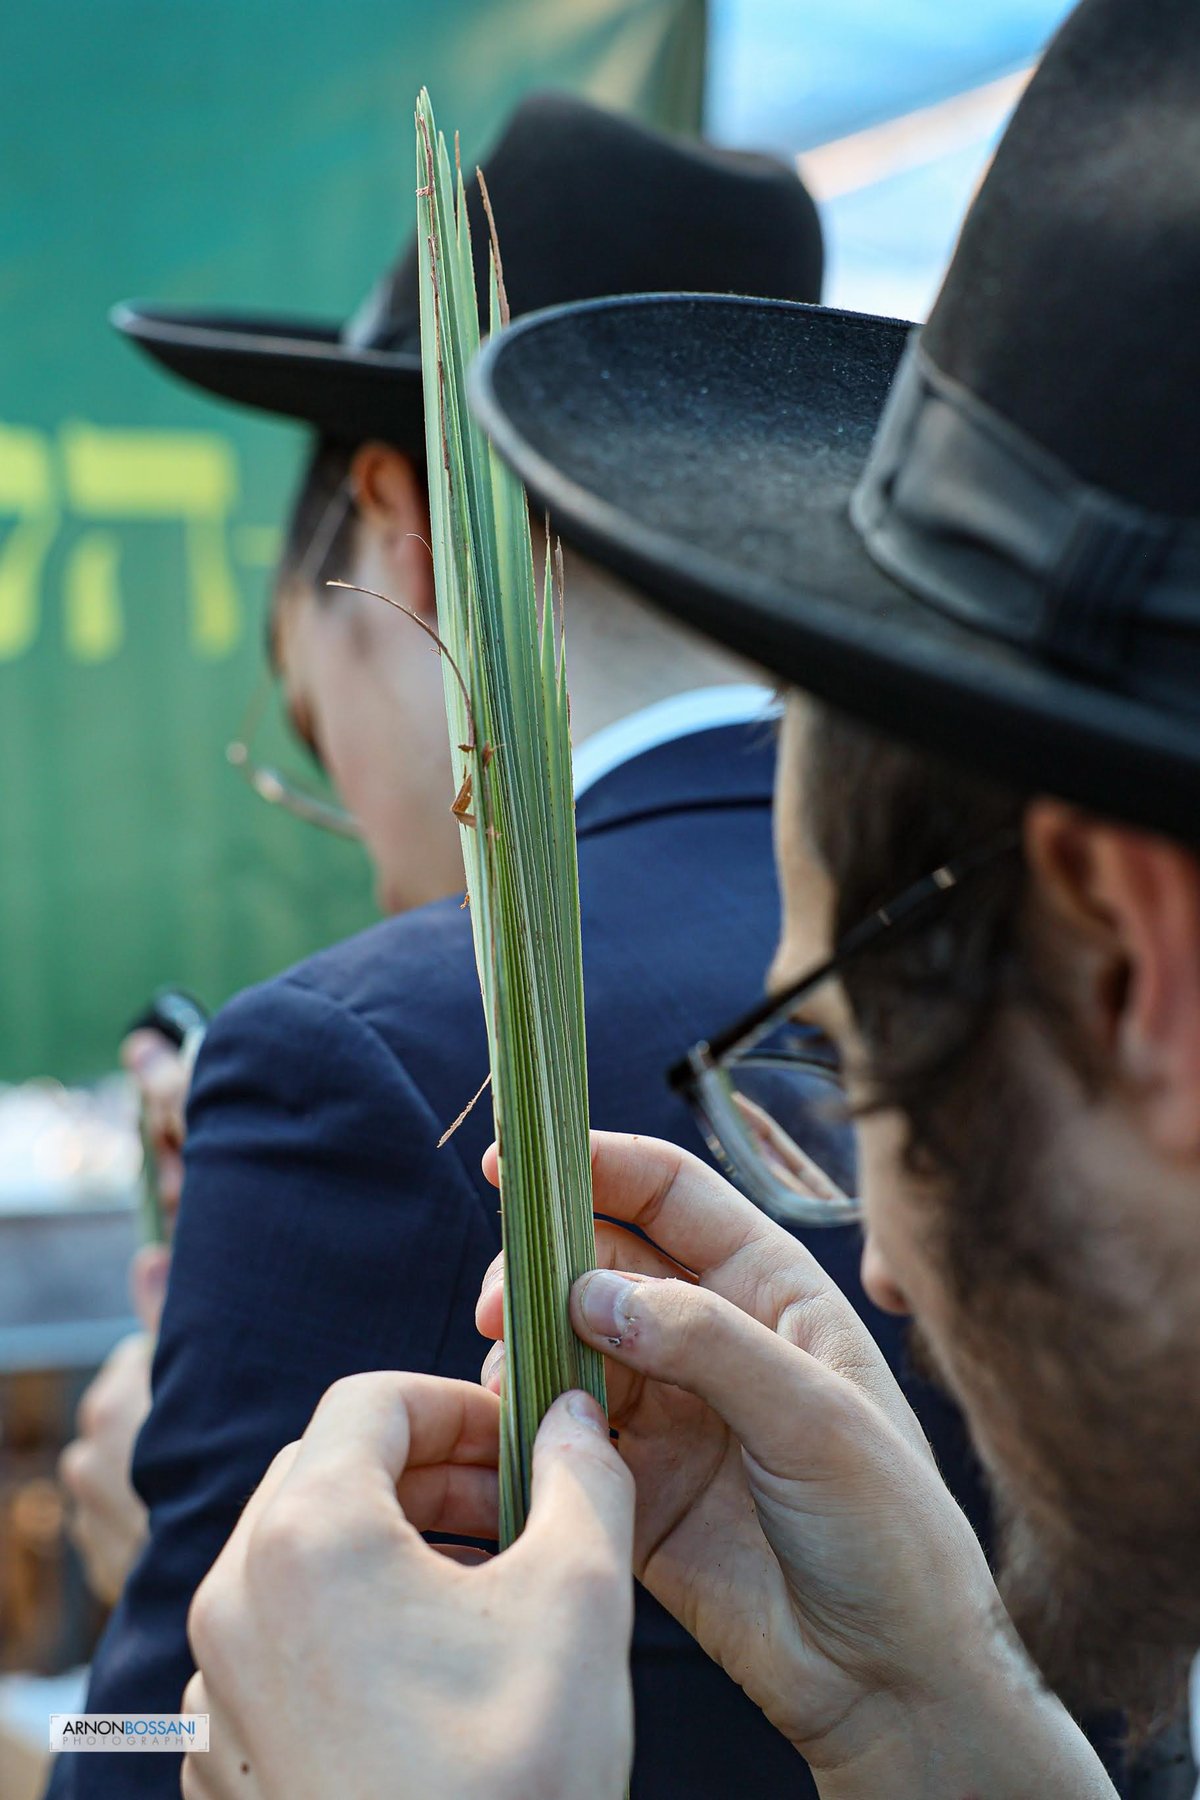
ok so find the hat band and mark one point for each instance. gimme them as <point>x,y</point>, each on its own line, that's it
<point>971,514</point>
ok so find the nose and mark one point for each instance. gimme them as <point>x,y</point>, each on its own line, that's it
<point>878,1284</point>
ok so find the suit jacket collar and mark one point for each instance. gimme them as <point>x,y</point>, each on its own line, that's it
<point>733,765</point>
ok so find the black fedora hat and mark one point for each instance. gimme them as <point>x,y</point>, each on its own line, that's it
<point>984,537</point>
<point>586,202</point>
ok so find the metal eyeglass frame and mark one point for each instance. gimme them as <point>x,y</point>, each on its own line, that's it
<point>705,1076</point>
<point>269,783</point>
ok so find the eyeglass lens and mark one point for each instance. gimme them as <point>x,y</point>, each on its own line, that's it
<point>777,1116</point>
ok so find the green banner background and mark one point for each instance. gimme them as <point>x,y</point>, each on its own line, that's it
<point>236,152</point>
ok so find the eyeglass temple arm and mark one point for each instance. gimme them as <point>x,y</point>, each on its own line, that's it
<point>922,896</point>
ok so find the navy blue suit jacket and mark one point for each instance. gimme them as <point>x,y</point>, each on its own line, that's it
<point>322,1232</point>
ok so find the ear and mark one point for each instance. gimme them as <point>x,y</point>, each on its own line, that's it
<point>391,498</point>
<point>1134,901</point>
<point>806,890</point>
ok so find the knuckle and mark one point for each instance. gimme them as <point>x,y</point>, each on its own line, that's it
<point>377,1386</point>
<point>815,1323</point>
<point>686,1317</point>
<point>671,1164</point>
<point>194,1695</point>
<point>821,1325</point>
<point>219,1627</point>
<point>73,1468</point>
<point>209,1622</point>
<point>282,1461</point>
<point>292,1548</point>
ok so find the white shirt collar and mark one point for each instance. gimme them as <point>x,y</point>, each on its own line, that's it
<point>703,709</point>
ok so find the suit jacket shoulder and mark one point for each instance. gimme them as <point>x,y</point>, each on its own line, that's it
<point>312,1149</point>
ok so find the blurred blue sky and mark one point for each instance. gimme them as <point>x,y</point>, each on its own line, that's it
<point>793,75</point>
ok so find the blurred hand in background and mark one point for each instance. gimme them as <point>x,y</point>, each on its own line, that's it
<point>163,1075</point>
<point>106,1520</point>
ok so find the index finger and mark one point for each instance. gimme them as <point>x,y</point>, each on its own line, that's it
<point>710,1231</point>
<point>374,1429</point>
<point>681,1204</point>
<point>692,1214</point>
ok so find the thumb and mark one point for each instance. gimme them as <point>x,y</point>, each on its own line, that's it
<point>143,1049</point>
<point>581,1513</point>
<point>792,1413</point>
<point>148,1283</point>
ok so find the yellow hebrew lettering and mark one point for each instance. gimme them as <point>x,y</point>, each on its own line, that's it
<point>26,490</point>
<point>94,625</point>
<point>187,476</point>
<point>258,546</point>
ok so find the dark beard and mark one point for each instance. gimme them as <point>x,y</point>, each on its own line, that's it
<point>1115,1641</point>
<point>1084,1410</point>
<point>1109,1625</point>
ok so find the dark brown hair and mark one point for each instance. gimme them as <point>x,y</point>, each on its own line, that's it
<point>325,474</point>
<point>881,816</point>
<point>948,1013</point>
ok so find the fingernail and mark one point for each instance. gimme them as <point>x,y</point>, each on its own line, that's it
<point>490,1283</point>
<point>603,1299</point>
<point>491,1276</point>
<point>582,1407</point>
<point>491,1363</point>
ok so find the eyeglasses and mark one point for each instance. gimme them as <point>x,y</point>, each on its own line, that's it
<point>276,788</point>
<point>311,566</point>
<point>270,784</point>
<point>768,1091</point>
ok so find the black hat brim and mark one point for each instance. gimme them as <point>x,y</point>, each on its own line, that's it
<point>292,368</point>
<point>706,448</point>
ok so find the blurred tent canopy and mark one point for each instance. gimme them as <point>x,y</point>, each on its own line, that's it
<point>233,153</point>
